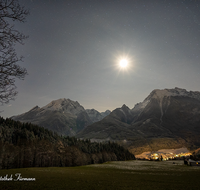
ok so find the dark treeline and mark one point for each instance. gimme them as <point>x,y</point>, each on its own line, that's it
<point>28,145</point>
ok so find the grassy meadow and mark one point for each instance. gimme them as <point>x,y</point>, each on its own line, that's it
<point>111,175</point>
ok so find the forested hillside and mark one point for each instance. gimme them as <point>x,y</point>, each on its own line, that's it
<point>28,145</point>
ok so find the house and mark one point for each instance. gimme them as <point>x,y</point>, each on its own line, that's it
<point>193,162</point>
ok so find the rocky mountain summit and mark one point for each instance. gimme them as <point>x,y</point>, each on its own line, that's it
<point>168,118</point>
<point>97,116</point>
<point>64,116</point>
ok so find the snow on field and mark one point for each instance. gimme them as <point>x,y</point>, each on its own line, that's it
<point>136,165</point>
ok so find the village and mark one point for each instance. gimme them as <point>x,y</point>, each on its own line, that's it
<point>165,154</point>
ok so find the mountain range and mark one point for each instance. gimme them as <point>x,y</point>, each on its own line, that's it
<point>168,118</point>
<point>64,116</point>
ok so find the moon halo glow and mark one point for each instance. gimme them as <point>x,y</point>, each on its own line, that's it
<point>123,63</point>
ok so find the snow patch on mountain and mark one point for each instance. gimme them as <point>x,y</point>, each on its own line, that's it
<point>166,93</point>
<point>174,92</point>
<point>64,105</point>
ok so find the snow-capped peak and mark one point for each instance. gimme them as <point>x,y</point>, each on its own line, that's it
<point>65,105</point>
<point>174,92</point>
<point>160,94</point>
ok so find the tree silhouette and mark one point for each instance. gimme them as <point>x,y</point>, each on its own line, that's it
<point>10,11</point>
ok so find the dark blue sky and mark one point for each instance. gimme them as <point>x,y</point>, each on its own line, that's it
<point>74,47</point>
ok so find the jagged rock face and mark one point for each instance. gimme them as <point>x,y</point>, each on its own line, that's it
<point>104,114</point>
<point>113,127</point>
<point>123,114</point>
<point>174,111</point>
<point>95,115</point>
<point>64,116</point>
<point>168,118</point>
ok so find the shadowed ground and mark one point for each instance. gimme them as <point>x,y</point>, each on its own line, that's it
<point>111,175</point>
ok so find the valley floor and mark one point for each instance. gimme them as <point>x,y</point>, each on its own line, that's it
<point>111,175</point>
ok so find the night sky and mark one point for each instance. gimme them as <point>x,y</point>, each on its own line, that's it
<point>74,48</point>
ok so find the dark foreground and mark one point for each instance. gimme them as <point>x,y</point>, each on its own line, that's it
<point>113,175</point>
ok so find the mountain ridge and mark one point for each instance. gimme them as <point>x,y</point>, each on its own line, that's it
<point>64,116</point>
<point>167,118</point>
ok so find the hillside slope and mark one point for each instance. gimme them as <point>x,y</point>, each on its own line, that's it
<point>28,145</point>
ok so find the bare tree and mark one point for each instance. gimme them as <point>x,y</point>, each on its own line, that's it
<point>10,11</point>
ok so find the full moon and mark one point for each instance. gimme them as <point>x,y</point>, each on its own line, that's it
<point>123,63</point>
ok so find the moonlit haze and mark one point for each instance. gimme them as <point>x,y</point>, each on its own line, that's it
<point>106,53</point>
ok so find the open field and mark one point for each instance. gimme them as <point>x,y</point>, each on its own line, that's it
<point>111,175</point>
